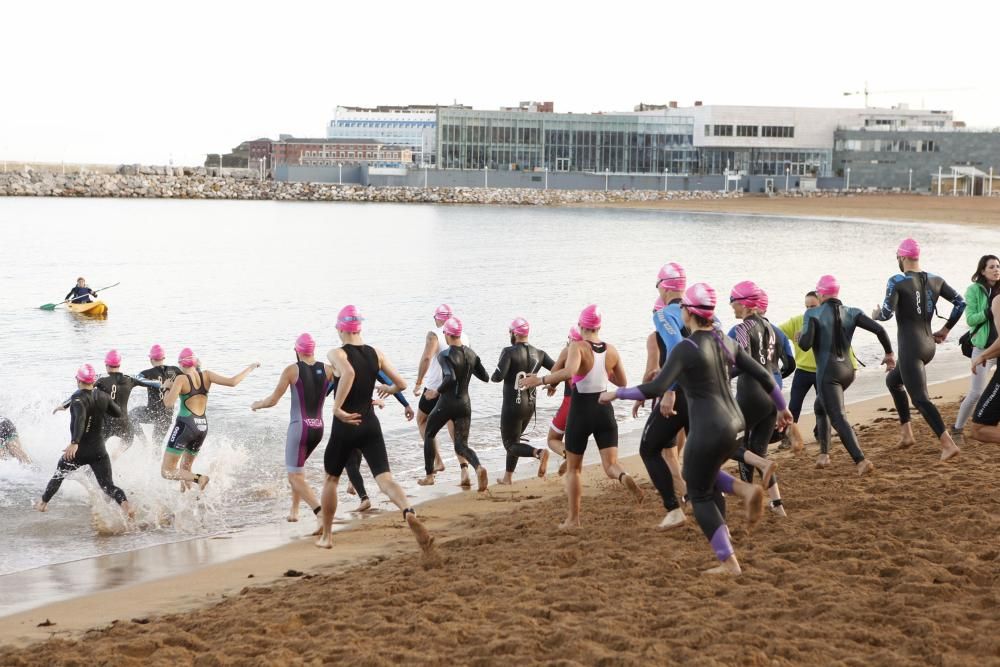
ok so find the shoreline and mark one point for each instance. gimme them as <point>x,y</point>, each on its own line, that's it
<point>365,540</point>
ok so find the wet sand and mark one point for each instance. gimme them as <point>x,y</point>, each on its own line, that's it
<point>900,567</point>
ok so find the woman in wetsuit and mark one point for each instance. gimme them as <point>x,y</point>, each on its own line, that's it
<point>356,426</point>
<point>979,295</point>
<point>310,380</point>
<point>589,363</point>
<point>458,364</point>
<point>518,407</point>
<point>911,295</point>
<point>828,331</point>
<point>701,365</point>
<point>191,426</point>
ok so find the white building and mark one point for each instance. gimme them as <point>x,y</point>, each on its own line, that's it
<point>413,127</point>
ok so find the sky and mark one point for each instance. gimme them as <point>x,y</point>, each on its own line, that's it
<point>156,83</point>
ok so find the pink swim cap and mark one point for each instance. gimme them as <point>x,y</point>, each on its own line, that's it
<point>156,353</point>
<point>442,312</point>
<point>349,319</point>
<point>113,359</point>
<point>590,317</point>
<point>305,345</point>
<point>187,359</point>
<point>700,300</point>
<point>520,327</point>
<point>763,302</point>
<point>671,277</point>
<point>828,286</point>
<point>908,248</point>
<point>86,374</point>
<point>574,334</point>
<point>748,293</point>
<point>453,327</point>
<point>658,305</point>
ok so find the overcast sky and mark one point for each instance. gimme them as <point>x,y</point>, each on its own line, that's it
<point>149,82</point>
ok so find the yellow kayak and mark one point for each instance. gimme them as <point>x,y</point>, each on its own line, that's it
<point>93,308</point>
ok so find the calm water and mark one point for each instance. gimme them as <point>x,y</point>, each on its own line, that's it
<point>237,281</point>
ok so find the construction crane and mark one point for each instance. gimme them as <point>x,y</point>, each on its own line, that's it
<point>867,92</point>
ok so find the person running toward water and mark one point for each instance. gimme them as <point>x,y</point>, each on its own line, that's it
<point>828,330</point>
<point>458,364</point>
<point>518,407</point>
<point>310,381</point>
<point>154,412</point>
<point>81,293</point>
<point>701,365</point>
<point>557,428</point>
<point>980,296</point>
<point>356,426</point>
<point>428,383</point>
<point>88,409</point>
<point>10,442</point>
<point>191,427</point>
<point>589,363</point>
<point>911,295</point>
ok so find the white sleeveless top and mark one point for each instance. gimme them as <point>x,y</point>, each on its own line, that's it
<point>434,376</point>
<point>596,380</point>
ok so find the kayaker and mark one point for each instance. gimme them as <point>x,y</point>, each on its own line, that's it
<point>81,293</point>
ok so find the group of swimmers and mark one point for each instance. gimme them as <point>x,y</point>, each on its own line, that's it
<point>690,365</point>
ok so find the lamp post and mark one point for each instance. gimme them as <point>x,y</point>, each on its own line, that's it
<point>909,187</point>
<point>486,177</point>
<point>425,177</point>
<point>546,178</point>
<point>939,181</point>
<point>989,189</point>
<point>847,185</point>
<point>607,173</point>
<point>666,175</point>
<point>340,173</point>
<point>788,171</point>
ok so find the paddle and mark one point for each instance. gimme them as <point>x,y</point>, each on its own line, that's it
<point>52,306</point>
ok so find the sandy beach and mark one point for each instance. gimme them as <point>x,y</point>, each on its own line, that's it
<point>896,568</point>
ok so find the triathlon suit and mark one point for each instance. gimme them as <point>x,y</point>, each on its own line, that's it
<point>119,387</point>
<point>518,405</point>
<point>559,421</point>
<point>366,436</point>
<point>190,429</point>
<point>458,364</point>
<point>757,337</point>
<point>660,432</point>
<point>701,364</point>
<point>305,427</point>
<point>155,412</point>
<point>586,415</point>
<point>912,297</point>
<point>8,433</point>
<point>88,410</point>
<point>828,331</point>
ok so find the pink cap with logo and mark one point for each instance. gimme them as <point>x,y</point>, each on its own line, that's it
<point>700,300</point>
<point>113,359</point>
<point>86,374</point>
<point>520,327</point>
<point>453,327</point>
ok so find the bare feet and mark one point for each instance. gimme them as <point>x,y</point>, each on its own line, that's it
<point>325,541</point>
<point>424,538</point>
<point>202,482</point>
<point>543,463</point>
<point>823,461</point>
<point>503,481</point>
<point>754,500</point>
<point>730,567</point>
<point>569,525</point>
<point>350,490</point>
<point>438,465</point>
<point>465,481</point>
<point>365,505</point>
<point>673,519</point>
<point>483,479</point>
<point>767,472</point>
<point>949,450</point>
<point>426,481</point>
<point>292,519</point>
<point>562,468</point>
<point>633,488</point>
<point>128,509</point>
<point>864,467</point>
<point>41,506</point>
<point>906,442</point>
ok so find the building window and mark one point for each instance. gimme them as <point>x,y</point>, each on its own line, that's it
<point>746,130</point>
<point>722,130</point>
<point>778,131</point>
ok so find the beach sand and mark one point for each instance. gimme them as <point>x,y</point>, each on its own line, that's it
<point>900,567</point>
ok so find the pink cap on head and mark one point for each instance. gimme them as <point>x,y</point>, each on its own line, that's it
<point>574,333</point>
<point>86,374</point>
<point>453,327</point>
<point>828,286</point>
<point>747,293</point>
<point>349,319</point>
<point>590,317</point>
<point>658,305</point>
<point>671,277</point>
<point>187,359</point>
<point>305,345</point>
<point>763,302</point>
<point>113,359</point>
<point>908,248</point>
<point>156,353</point>
<point>700,300</point>
<point>442,312</point>
<point>520,327</point>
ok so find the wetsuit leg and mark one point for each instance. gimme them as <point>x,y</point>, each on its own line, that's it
<point>822,429</point>
<point>462,425</point>
<point>512,425</point>
<point>832,392</point>
<point>915,381</point>
<point>354,473</point>
<point>436,420</point>
<point>758,437</point>
<point>62,471</point>
<point>102,471</point>
<point>894,382</point>
<point>703,458</point>
<point>658,434</point>
<point>802,382</point>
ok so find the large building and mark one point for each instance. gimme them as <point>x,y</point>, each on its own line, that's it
<point>411,127</point>
<point>331,152</point>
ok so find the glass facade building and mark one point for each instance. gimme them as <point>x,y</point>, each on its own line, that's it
<point>766,161</point>
<point>619,143</point>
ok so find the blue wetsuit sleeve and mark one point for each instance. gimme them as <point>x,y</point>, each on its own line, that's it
<point>667,327</point>
<point>868,324</point>
<point>384,379</point>
<point>958,304</point>
<point>139,380</point>
<point>503,365</point>
<point>888,306</point>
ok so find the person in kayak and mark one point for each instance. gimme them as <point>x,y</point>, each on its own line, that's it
<point>10,442</point>
<point>81,293</point>
<point>155,412</point>
<point>191,427</point>
<point>518,407</point>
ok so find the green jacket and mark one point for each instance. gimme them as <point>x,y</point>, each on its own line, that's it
<point>977,313</point>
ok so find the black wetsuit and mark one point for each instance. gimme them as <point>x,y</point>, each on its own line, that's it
<point>828,331</point>
<point>365,437</point>
<point>912,297</point>
<point>88,409</point>
<point>518,406</point>
<point>701,365</point>
<point>81,294</point>
<point>155,412</point>
<point>119,387</point>
<point>458,364</point>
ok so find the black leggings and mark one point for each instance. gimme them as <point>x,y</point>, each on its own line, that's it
<point>459,412</point>
<point>829,409</point>
<point>353,468</point>
<point>661,433</point>
<point>101,467</point>
<point>908,378</point>
<point>802,382</point>
<point>704,455</point>
<point>514,422</point>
